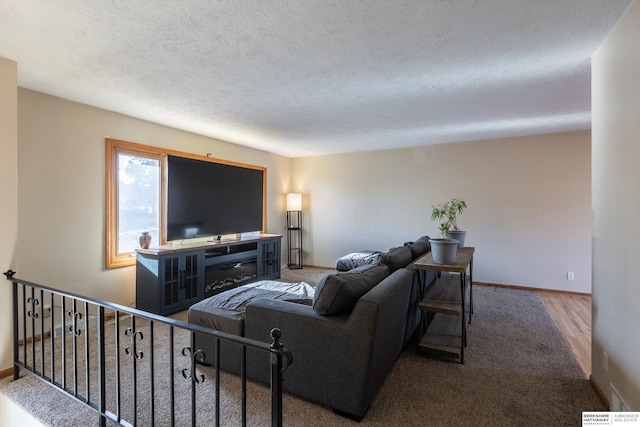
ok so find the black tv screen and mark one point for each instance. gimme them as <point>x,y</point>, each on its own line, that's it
<point>209,199</point>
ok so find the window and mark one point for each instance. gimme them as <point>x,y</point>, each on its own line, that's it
<point>134,202</point>
<point>138,199</point>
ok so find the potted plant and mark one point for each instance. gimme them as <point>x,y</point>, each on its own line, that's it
<point>444,249</point>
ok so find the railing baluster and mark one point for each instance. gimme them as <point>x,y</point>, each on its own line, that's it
<point>86,351</point>
<point>33,331</point>
<point>102,389</point>
<point>193,380</point>
<point>217,356</point>
<point>243,378</point>
<point>172,384</point>
<point>276,379</point>
<point>52,340</point>
<point>16,326</point>
<point>117,333</point>
<point>42,332</point>
<point>64,343</point>
<point>134,376</point>
<point>75,349</point>
<point>153,411</point>
<point>24,324</point>
<point>194,356</point>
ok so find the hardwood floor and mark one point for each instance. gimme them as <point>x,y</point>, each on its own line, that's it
<point>572,314</point>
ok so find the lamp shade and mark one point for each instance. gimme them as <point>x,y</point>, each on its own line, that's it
<point>294,202</point>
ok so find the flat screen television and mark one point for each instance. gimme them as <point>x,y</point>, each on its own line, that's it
<point>205,198</point>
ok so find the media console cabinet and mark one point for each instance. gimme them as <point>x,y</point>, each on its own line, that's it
<point>171,278</point>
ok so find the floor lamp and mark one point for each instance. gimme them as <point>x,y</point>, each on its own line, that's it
<point>294,231</point>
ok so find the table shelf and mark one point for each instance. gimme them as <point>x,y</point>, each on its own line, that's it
<point>444,296</point>
<point>442,338</point>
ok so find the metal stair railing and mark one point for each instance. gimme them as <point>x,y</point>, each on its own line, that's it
<point>108,357</point>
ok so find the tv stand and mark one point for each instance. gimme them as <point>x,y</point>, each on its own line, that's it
<point>172,278</point>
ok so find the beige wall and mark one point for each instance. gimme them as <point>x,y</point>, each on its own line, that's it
<point>616,209</point>
<point>8,199</point>
<point>529,204</point>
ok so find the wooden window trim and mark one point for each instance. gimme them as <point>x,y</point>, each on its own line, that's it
<point>113,148</point>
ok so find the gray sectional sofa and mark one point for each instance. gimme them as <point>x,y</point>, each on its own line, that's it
<point>344,341</point>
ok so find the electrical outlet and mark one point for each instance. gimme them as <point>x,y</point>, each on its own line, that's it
<point>605,361</point>
<point>570,275</point>
<point>46,311</point>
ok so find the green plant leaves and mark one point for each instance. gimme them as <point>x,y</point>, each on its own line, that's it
<point>447,213</point>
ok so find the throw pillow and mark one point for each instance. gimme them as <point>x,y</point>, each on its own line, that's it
<point>339,292</point>
<point>357,259</point>
<point>396,258</point>
<point>419,247</point>
<point>425,239</point>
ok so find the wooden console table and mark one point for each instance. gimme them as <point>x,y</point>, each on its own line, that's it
<point>446,299</point>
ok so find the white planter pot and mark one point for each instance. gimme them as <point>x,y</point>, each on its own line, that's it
<point>458,235</point>
<point>444,250</point>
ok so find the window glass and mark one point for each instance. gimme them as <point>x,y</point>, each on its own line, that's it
<point>138,200</point>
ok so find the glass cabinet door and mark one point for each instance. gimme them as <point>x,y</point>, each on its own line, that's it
<point>172,281</point>
<point>269,259</point>
<point>191,277</point>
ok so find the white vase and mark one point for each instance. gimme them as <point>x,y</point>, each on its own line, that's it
<point>145,240</point>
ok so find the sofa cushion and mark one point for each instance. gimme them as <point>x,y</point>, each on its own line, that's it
<point>396,258</point>
<point>419,247</point>
<point>339,292</point>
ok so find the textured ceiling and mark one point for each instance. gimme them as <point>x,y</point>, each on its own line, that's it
<point>309,77</point>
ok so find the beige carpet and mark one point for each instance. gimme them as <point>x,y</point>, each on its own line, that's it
<point>518,372</point>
